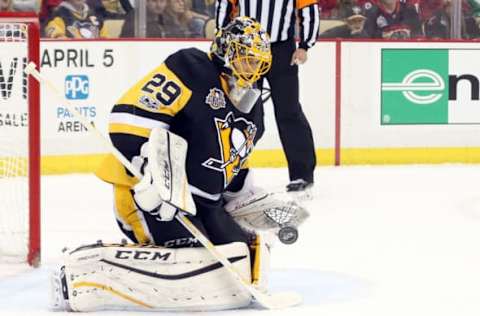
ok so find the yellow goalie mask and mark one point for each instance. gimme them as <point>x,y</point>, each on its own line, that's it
<point>245,50</point>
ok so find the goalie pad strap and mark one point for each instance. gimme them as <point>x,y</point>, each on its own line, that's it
<point>116,277</point>
<point>261,261</point>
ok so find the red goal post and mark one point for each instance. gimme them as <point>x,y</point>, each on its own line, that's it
<point>19,127</point>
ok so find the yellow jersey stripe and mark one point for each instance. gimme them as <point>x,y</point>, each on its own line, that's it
<point>112,171</point>
<point>129,129</point>
<point>129,214</point>
<point>111,290</point>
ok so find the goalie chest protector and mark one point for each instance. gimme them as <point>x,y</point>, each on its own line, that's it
<point>188,93</point>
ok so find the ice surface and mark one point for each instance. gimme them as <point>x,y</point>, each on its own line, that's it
<point>380,241</point>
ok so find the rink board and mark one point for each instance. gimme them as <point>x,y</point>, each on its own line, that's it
<point>367,138</point>
<point>341,94</point>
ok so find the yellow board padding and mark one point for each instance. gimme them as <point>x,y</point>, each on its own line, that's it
<point>425,155</point>
<point>275,158</point>
<point>112,291</point>
<point>71,163</point>
<point>271,158</point>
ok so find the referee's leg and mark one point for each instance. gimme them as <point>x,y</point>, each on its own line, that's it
<point>294,129</point>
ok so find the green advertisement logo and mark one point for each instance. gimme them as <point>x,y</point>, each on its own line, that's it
<point>414,86</point>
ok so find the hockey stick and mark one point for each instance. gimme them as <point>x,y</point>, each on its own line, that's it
<point>270,301</point>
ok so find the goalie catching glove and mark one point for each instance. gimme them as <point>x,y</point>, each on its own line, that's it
<point>164,186</point>
<point>257,210</point>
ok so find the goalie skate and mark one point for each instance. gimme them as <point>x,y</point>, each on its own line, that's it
<point>300,190</point>
<point>59,291</point>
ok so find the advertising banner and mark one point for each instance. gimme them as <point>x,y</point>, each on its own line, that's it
<point>430,86</point>
<point>93,75</point>
<point>13,88</point>
<point>409,102</point>
<point>13,110</point>
<point>391,102</point>
<point>84,73</point>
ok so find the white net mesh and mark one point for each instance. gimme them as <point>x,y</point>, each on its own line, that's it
<point>13,32</point>
<point>14,201</point>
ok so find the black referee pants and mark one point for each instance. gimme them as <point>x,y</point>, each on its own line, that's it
<point>293,127</point>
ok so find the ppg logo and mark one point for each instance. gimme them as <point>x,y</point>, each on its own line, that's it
<point>76,87</point>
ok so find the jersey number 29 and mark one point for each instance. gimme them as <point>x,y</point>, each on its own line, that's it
<point>165,91</point>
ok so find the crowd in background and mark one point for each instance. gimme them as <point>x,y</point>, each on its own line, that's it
<point>391,19</point>
<point>399,19</point>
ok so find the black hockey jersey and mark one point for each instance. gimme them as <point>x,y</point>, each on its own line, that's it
<point>403,22</point>
<point>187,95</point>
<point>72,23</point>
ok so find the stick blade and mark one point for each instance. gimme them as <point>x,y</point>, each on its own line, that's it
<point>279,300</point>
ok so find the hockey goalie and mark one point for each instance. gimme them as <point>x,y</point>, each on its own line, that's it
<point>188,127</point>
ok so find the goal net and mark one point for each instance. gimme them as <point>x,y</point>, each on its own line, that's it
<point>19,141</point>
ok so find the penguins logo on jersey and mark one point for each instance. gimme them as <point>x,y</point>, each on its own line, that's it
<point>216,99</point>
<point>235,136</point>
<point>85,29</point>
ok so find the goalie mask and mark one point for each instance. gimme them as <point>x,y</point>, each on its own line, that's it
<point>244,48</point>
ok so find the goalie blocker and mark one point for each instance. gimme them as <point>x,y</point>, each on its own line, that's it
<point>129,277</point>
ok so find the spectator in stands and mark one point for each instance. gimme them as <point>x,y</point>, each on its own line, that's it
<point>205,7</point>
<point>46,10</point>
<point>6,5</point>
<point>111,9</point>
<point>154,23</point>
<point>438,25</point>
<point>75,19</point>
<point>475,16</point>
<point>367,4</point>
<point>181,21</point>
<point>26,5</point>
<point>327,8</point>
<point>475,7</point>
<point>426,9</point>
<point>354,18</point>
<point>393,19</point>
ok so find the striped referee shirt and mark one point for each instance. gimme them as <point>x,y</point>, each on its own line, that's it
<point>276,16</point>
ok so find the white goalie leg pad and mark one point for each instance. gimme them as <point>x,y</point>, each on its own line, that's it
<point>129,277</point>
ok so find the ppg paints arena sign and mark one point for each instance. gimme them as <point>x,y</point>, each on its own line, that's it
<point>75,84</point>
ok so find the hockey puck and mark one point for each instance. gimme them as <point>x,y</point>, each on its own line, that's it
<point>288,235</point>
